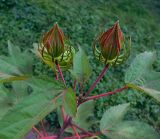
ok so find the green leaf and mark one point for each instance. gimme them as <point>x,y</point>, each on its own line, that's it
<point>4,103</point>
<point>70,102</point>
<point>27,108</point>
<point>84,112</point>
<point>4,78</point>
<point>42,83</point>
<point>154,93</point>
<point>132,130</point>
<point>141,70</point>
<point>23,116</point>
<point>151,92</point>
<point>15,66</point>
<point>81,67</point>
<point>142,77</point>
<point>113,116</point>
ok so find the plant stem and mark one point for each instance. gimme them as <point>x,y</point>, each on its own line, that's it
<point>106,94</point>
<point>81,88</point>
<point>37,131</point>
<point>75,131</point>
<point>97,81</point>
<point>43,129</point>
<point>65,125</point>
<point>83,130</point>
<point>84,136</point>
<point>60,72</point>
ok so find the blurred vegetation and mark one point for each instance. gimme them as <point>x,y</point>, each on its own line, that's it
<point>24,22</point>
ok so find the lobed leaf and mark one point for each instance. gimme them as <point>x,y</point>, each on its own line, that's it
<point>23,116</point>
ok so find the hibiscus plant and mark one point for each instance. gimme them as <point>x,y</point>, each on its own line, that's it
<point>28,99</point>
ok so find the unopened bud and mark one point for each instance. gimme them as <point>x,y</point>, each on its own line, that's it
<point>53,41</point>
<point>110,44</point>
<point>111,41</point>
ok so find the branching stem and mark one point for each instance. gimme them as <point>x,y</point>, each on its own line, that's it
<point>76,132</point>
<point>43,129</point>
<point>97,81</point>
<point>105,94</point>
<point>60,72</point>
<point>37,131</point>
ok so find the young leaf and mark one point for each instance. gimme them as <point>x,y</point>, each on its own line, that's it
<point>81,67</point>
<point>20,119</point>
<point>113,116</point>
<point>132,130</point>
<point>70,102</point>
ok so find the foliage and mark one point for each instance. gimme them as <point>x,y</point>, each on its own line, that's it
<point>81,67</point>
<point>141,74</point>
<point>113,126</point>
<point>76,107</point>
<point>23,22</point>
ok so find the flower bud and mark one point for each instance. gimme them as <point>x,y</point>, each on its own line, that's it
<point>53,41</point>
<point>111,41</point>
<point>54,47</point>
<point>110,44</point>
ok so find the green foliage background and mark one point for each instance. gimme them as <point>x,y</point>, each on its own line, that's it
<point>24,22</point>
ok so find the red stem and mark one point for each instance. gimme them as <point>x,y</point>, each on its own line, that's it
<point>83,130</point>
<point>98,80</point>
<point>105,94</point>
<point>60,72</point>
<point>84,136</point>
<point>43,129</point>
<point>37,131</point>
<point>75,131</point>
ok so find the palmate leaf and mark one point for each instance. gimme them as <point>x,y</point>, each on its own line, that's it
<point>81,68</point>
<point>11,96</point>
<point>132,130</point>
<point>141,76</point>
<point>112,116</point>
<point>16,66</point>
<point>28,112</point>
